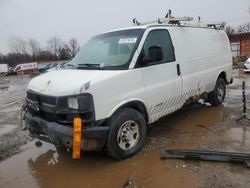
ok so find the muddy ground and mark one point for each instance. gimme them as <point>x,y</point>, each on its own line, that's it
<point>24,165</point>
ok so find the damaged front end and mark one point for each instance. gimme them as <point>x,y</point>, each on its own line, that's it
<point>51,118</point>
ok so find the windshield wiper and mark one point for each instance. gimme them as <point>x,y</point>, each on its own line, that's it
<point>89,66</point>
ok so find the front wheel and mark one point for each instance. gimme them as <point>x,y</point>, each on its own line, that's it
<point>127,134</point>
<point>217,96</point>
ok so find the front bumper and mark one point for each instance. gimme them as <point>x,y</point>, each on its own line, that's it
<point>93,138</point>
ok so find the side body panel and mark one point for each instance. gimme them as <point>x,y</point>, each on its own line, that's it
<point>202,54</point>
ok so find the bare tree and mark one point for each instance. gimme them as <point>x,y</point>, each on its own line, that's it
<point>1,58</point>
<point>247,27</point>
<point>53,45</point>
<point>22,50</point>
<point>18,45</point>
<point>34,48</point>
<point>73,47</point>
<point>244,28</point>
<point>229,30</point>
<point>64,53</point>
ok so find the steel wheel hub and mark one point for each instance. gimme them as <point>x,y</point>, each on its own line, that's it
<point>128,135</point>
<point>220,92</point>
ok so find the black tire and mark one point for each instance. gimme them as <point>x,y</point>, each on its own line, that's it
<point>117,122</point>
<point>217,96</point>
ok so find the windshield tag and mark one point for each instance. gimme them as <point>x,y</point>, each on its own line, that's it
<point>127,41</point>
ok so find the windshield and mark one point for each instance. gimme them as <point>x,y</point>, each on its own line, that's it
<point>108,51</point>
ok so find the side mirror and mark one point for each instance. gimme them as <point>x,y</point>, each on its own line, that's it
<point>155,54</point>
<point>147,60</point>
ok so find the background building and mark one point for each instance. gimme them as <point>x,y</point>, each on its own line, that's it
<point>240,44</point>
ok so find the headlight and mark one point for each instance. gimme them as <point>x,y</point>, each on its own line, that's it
<point>73,103</point>
<point>82,102</point>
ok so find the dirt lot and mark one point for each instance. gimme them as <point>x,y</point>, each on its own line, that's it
<point>24,165</point>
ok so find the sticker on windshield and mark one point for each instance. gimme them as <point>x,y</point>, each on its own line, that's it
<point>127,41</point>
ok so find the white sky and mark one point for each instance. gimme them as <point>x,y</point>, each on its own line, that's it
<point>42,19</point>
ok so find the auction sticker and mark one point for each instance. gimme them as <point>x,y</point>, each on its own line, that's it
<point>127,40</point>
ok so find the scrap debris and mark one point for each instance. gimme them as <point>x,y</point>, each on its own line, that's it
<point>243,158</point>
<point>244,115</point>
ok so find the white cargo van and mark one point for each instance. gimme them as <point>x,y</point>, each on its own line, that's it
<point>124,80</point>
<point>4,68</point>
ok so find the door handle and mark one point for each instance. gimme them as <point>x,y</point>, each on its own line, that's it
<point>178,69</point>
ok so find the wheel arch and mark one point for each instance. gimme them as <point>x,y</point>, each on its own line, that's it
<point>135,104</point>
<point>223,75</point>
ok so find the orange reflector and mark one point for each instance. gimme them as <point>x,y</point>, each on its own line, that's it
<point>77,138</point>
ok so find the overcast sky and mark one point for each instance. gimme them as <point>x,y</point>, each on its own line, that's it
<point>42,19</point>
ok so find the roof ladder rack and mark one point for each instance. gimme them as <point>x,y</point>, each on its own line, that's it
<point>181,21</point>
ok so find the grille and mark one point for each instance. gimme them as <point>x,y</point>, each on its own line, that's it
<point>41,98</point>
<point>54,109</point>
<point>47,105</point>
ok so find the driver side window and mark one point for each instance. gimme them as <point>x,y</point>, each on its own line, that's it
<point>162,39</point>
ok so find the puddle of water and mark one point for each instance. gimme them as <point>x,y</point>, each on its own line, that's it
<point>237,93</point>
<point>181,128</point>
<point>15,171</point>
<point>4,88</point>
<point>46,168</point>
<point>238,134</point>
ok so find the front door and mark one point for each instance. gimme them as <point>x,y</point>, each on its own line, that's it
<point>163,83</point>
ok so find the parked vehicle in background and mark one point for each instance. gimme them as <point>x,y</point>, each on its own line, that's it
<point>26,68</point>
<point>124,80</point>
<point>47,67</point>
<point>247,65</point>
<point>51,66</point>
<point>4,69</point>
<point>59,66</point>
<point>44,67</point>
<point>41,66</point>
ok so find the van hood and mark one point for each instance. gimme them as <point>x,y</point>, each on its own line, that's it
<point>69,82</point>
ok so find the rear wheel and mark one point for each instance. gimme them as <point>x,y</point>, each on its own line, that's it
<point>217,96</point>
<point>127,134</point>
